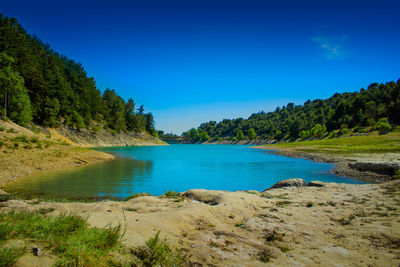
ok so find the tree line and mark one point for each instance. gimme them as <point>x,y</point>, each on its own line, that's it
<point>377,107</point>
<point>40,85</point>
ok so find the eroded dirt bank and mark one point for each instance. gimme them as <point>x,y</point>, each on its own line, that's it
<point>333,225</point>
<point>24,152</point>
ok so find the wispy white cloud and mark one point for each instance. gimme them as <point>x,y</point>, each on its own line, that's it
<point>332,48</point>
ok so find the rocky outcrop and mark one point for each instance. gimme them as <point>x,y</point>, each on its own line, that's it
<point>209,197</point>
<point>103,138</point>
<point>380,168</point>
<point>294,182</point>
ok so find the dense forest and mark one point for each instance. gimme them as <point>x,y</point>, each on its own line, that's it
<point>40,85</point>
<point>377,107</point>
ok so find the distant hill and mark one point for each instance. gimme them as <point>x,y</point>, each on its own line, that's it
<point>38,84</point>
<point>377,107</point>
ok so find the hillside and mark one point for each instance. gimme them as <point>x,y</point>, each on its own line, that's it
<point>40,85</point>
<point>376,107</point>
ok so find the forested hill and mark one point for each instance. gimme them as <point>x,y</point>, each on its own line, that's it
<point>40,85</point>
<point>377,107</point>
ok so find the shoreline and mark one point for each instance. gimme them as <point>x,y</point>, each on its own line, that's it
<point>330,224</point>
<point>341,164</point>
<point>24,153</point>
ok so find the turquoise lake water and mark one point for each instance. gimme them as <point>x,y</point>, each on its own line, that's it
<point>179,168</point>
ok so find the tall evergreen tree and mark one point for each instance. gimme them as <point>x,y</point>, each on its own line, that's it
<point>17,105</point>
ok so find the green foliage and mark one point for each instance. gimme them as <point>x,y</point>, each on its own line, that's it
<point>167,136</point>
<point>192,134</point>
<point>77,120</point>
<point>240,135</point>
<point>172,194</point>
<point>13,94</point>
<point>9,255</point>
<point>96,128</point>
<point>21,138</point>
<point>318,130</point>
<point>251,134</point>
<point>344,129</point>
<point>304,134</point>
<point>155,134</point>
<point>204,136</point>
<point>68,236</point>
<point>40,84</point>
<point>383,125</point>
<point>158,252</point>
<point>49,111</point>
<point>278,134</point>
<point>355,109</point>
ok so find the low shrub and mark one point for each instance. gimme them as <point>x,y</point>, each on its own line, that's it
<point>9,255</point>
<point>383,125</point>
<point>172,194</point>
<point>158,252</point>
<point>266,255</point>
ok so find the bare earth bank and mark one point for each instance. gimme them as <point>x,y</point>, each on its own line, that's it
<point>24,152</point>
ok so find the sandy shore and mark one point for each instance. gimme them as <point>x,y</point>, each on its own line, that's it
<point>333,225</point>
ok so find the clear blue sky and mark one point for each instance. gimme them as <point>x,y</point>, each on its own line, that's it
<point>196,60</point>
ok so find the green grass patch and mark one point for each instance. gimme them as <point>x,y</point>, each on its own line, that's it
<point>21,139</point>
<point>172,194</point>
<point>67,236</point>
<point>11,130</point>
<point>9,255</point>
<point>373,143</point>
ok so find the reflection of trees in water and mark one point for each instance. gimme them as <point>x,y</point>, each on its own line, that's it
<point>113,178</point>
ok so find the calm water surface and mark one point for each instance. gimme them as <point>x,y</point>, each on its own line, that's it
<point>177,167</point>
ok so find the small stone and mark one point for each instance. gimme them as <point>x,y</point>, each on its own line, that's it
<point>35,250</point>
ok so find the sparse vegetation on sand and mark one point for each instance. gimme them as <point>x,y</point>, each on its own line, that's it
<point>75,243</point>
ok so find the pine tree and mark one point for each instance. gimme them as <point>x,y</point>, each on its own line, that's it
<point>17,105</point>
